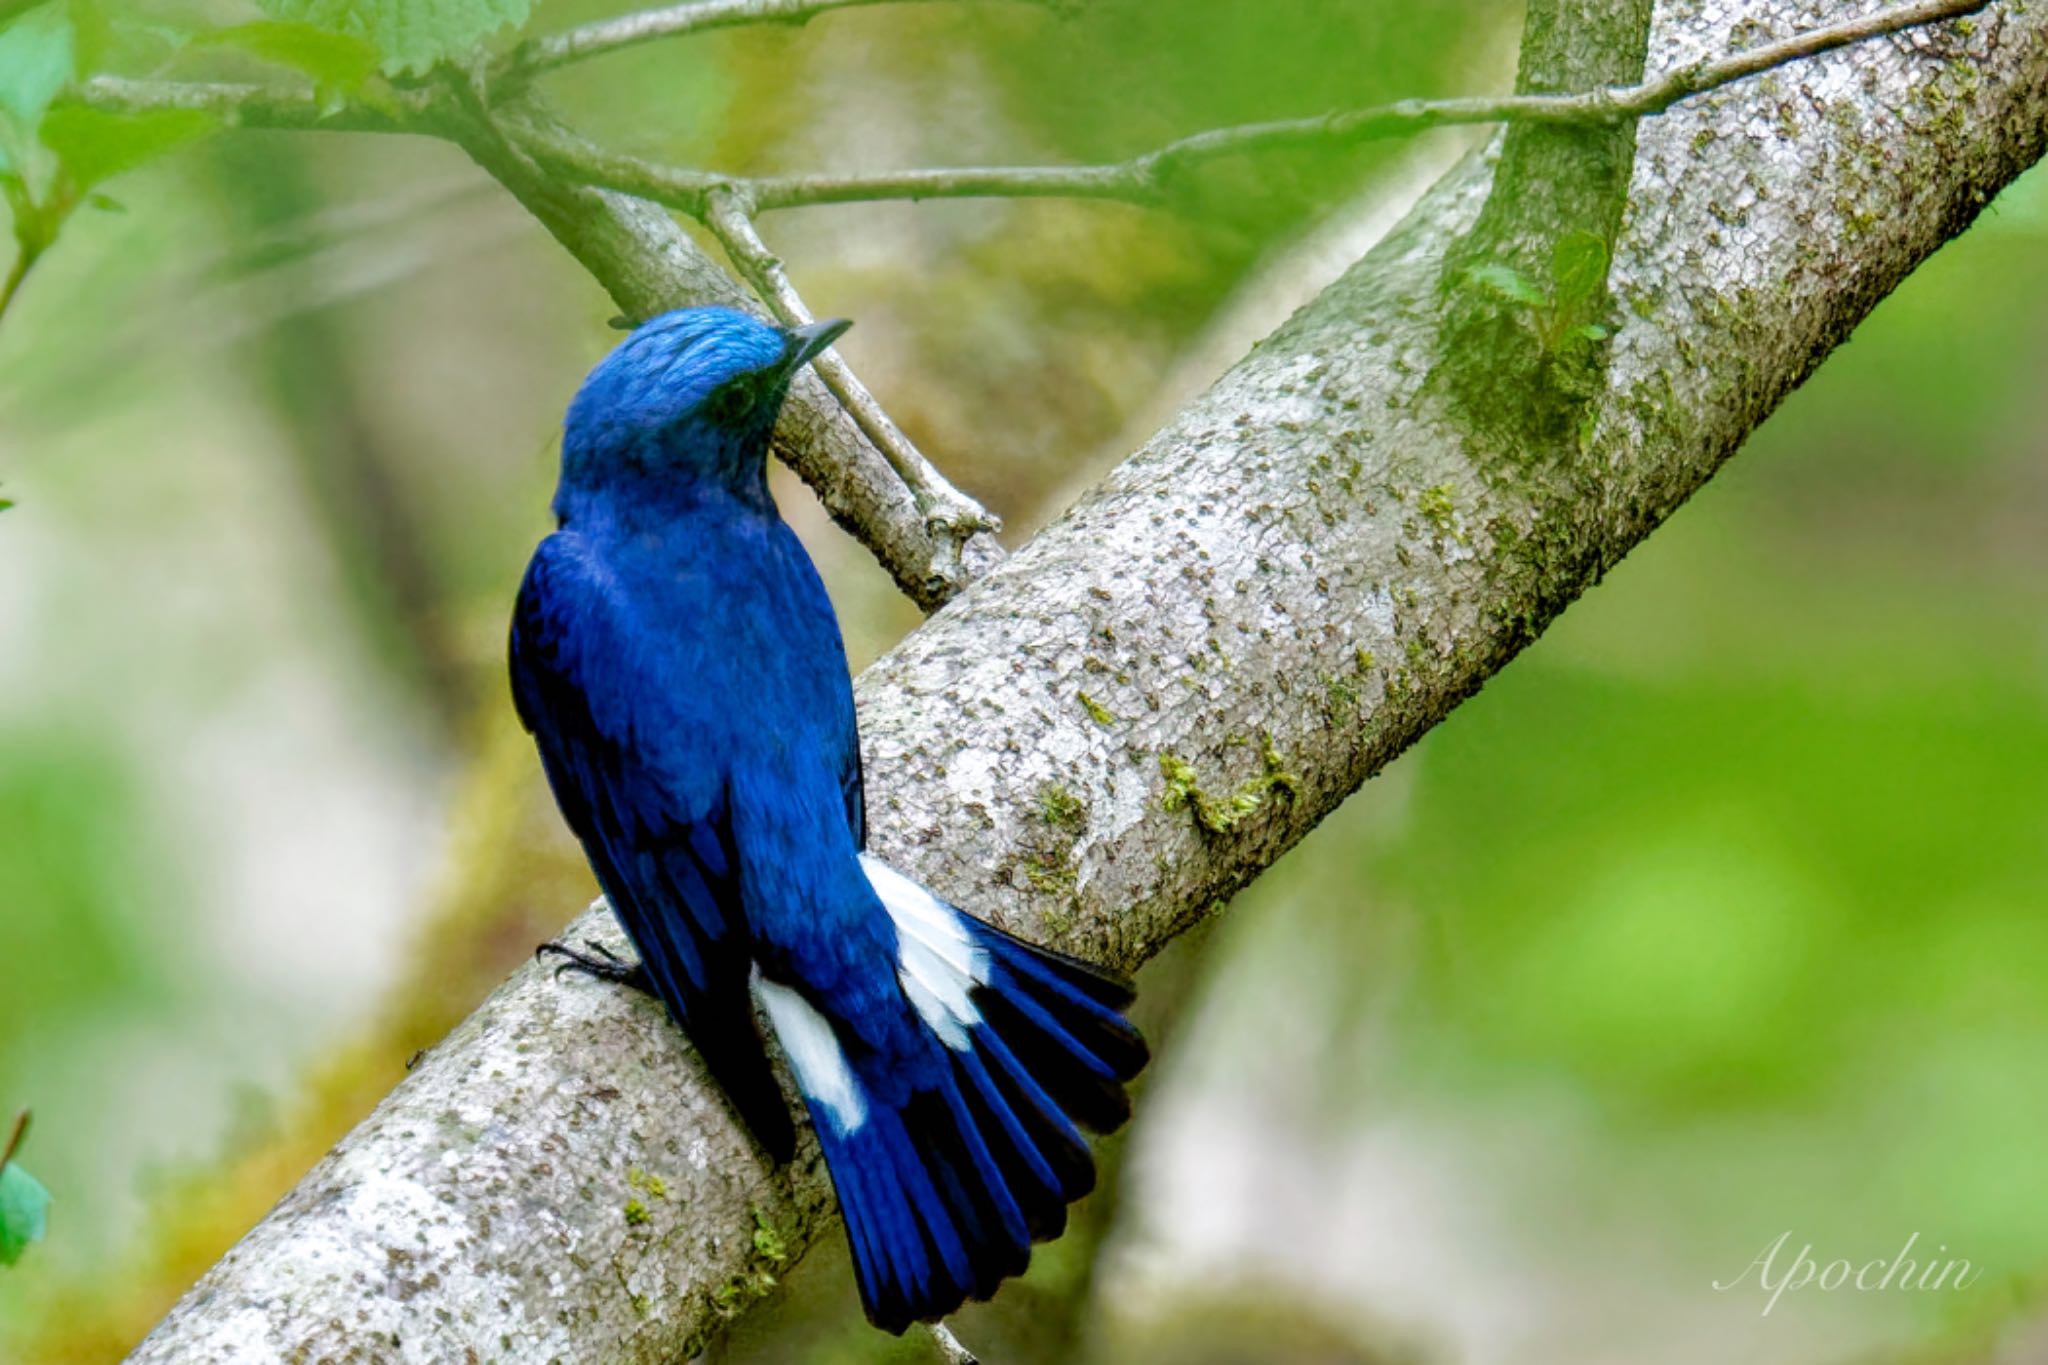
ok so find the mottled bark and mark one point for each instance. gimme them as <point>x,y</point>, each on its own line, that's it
<point>1129,719</point>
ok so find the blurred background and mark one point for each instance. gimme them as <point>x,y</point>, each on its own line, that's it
<point>1718,916</point>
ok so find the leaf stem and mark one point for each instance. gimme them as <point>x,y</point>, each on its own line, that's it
<point>15,1140</point>
<point>24,261</point>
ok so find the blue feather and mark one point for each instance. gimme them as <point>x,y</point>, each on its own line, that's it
<point>677,660</point>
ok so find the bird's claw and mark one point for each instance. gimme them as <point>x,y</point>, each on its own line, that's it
<point>600,962</point>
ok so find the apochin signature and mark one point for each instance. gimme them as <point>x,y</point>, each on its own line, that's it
<point>1802,1271</point>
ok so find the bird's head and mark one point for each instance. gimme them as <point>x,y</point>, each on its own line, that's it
<point>688,398</point>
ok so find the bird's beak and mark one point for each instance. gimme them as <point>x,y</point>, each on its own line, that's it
<point>805,342</point>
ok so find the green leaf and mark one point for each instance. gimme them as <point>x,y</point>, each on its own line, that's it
<point>1509,283</point>
<point>340,60</point>
<point>35,63</point>
<point>409,35</point>
<point>1591,331</point>
<point>1578,266</point>
<point>24,1212</point>
<point>93,146</point>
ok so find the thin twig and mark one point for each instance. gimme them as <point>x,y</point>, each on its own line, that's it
<point>1146,177</point>
<point>673,21</point>
<point>260,106</point>
<point>1141,178</point>
<point>944,506</point>
<point>1655,96</point>
<point>575,158</point>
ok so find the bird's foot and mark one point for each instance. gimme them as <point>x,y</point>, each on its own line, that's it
<point>600,962</point>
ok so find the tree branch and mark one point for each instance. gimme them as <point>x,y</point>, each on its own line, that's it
<point>1557,184</point>
<point>648,265</point>
<point>259,106</point>
<point>1141,178</point>
<point>935,540</point>
<point>1148,177</point>
<point>1305,570</point>
<point>946,510</point>
<point>673,21</point>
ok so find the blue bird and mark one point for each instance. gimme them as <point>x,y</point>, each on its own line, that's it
<point>675,656</point>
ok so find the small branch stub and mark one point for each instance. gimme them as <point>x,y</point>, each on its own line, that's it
<point>951,1349</point>
<point>1526,289</point>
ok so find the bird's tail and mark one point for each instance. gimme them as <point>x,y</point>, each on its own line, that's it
<point>958,1169</point>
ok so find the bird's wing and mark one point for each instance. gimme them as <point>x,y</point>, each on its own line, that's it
<point>649,801</point>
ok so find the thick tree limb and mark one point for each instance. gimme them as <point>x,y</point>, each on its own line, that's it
<point>1292,581</point>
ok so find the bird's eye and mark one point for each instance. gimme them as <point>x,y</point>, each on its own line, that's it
<point>731,402</point>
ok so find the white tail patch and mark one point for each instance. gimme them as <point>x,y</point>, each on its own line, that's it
<point>938,963</point>
<point>814,1053</point>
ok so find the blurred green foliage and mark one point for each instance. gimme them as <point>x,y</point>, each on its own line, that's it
<point>77,875</point>
<point>407,35</point>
